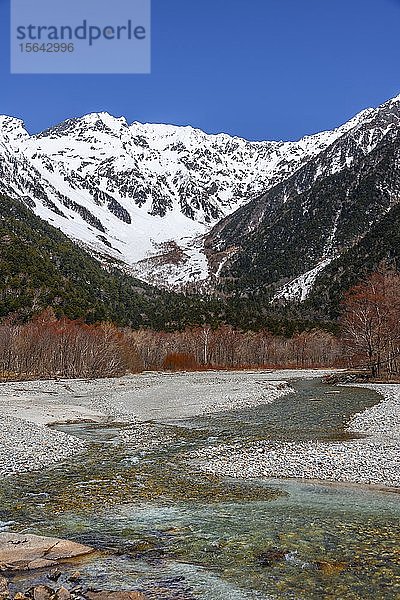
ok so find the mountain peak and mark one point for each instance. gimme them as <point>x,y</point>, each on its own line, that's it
<point>394,100</point>
<point>146,194</point>
<point>113,123</point>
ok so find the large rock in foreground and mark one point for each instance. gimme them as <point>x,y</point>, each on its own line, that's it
<point>21,552</point>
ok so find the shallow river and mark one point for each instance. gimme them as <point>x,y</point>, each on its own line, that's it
<point>163,527</point>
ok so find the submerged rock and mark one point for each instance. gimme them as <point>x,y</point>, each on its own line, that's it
<point>63,594</point>
<point>54,575</point>
<point>330,568</point>
<point>271,556</point>
<point>21,552</point>
<point>43,592</point>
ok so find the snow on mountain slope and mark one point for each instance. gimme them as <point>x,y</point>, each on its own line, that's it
<point>299,289</point>
<point>145,194</point>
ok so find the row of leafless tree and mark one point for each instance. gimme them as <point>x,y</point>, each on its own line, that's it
<point>47,348</point>
<point>203,347</point>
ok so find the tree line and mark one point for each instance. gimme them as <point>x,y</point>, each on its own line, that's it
<point>49,347</point>
<point>227,348</point>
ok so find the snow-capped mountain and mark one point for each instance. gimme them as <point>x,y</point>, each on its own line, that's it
<point>309,235</point>
<point>146,195</point>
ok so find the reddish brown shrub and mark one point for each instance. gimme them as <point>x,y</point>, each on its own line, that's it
<point>179,361</point>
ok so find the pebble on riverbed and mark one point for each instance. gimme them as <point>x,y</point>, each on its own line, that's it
<point>4,589</point>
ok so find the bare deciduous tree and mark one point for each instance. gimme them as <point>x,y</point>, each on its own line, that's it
<point>371,324</point>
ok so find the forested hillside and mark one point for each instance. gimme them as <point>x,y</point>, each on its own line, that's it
<point>43,268</point>
<point>294,245</point>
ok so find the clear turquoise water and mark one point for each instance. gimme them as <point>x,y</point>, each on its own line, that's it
<point>171,531</point>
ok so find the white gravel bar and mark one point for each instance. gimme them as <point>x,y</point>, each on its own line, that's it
<point>373,460</point>
<point>26,446</point>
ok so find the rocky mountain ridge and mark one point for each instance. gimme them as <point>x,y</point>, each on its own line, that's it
<point>173,204</point>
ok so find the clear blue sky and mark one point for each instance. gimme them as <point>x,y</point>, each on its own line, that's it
<point>261,69</point>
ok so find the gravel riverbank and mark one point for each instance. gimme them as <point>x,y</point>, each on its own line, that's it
<point>26,408</point>
<point>373,460</point>
<point>26,446</point>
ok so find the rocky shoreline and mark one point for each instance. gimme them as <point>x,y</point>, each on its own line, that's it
<point>371,460</point>
<point>46,564</point>
<point>26,409</point>
<point>27,444</point>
